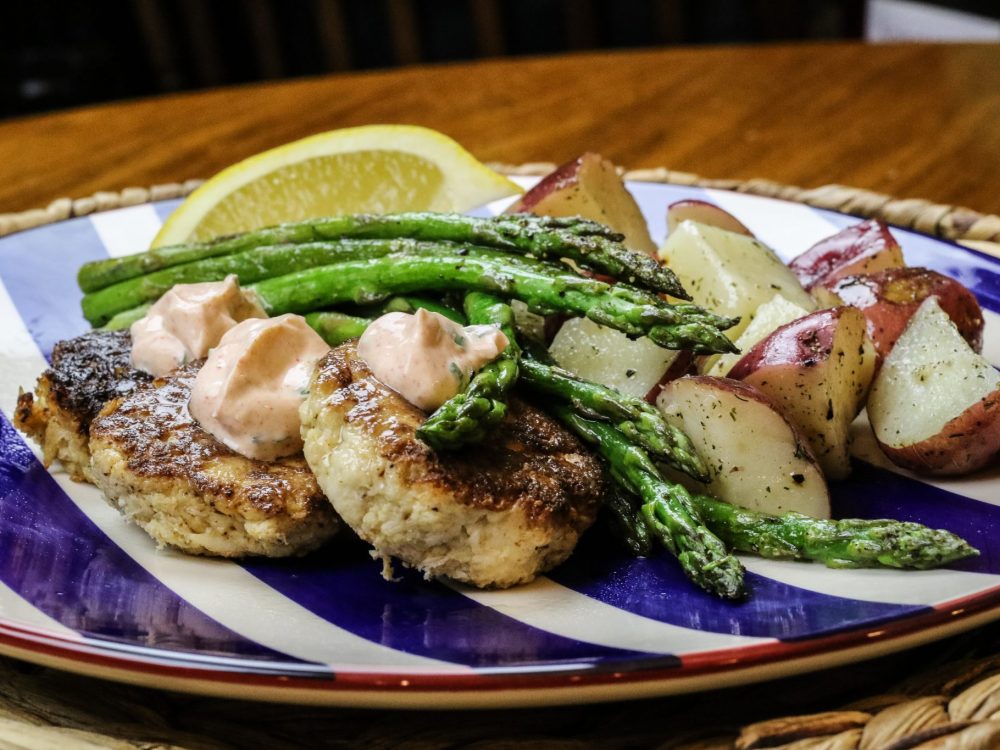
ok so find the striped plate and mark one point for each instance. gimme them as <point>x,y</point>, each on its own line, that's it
<point>82,590</point>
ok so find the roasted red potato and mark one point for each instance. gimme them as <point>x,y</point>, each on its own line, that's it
<point>889,299</point>
<point>703,212</point>
<point>867,247</point>
<point>757,459</point>
<point>589,186</point>
<point>611,358</point>
<point>817,370</point>
<point>935,403</point>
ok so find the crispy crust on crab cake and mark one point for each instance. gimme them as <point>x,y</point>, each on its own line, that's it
<point>186,489</point>
<point>492,515</point>
<point>86,373</point>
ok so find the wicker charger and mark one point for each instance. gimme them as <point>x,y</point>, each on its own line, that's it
<point>971,228</point>
<point>936,697</point>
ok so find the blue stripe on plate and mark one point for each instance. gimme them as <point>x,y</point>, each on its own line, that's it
<point>409,614</point>
<point>871,492</point>
<point>777,609</point>
<point>977,271</point>
<point>38,267</point>
<point>656,588</point>
<point>55,558</point>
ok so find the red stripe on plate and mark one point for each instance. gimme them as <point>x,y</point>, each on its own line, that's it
<point>949,614</point>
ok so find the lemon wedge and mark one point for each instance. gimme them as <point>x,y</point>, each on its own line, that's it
<point>370,169</point>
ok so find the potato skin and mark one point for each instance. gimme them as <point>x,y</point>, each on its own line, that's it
<point>865,247</point>
<point>589,186</point>
<point>704,213</point>
<point>803,342</point>
<point>969,442</point>
<point>818,370</point>
<point>889,299</point>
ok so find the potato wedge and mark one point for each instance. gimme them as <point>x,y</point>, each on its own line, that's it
<point>935,404</point>
<point>817,370</point>
<point>611,358</point>
<point>866,247</point>
<point>589,186</point>
<point>729,273</point>
<point>703,212</point>
<point>889,299</point>
<point>756,457</point>
<point>769,317</point>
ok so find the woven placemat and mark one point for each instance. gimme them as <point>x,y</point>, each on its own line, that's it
<point>937,697</point>
<point>957,223</point>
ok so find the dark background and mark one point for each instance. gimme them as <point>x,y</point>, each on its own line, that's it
<point>58,54</point>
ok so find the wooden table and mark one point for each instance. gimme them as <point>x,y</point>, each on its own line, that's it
<point>917,121</point>
<point>912,121</point>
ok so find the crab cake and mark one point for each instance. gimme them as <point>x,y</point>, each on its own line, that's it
<point>186,489</point>
<point>493,515</point>
<point>86,373</point>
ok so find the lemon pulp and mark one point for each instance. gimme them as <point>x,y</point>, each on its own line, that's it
<point>363,181</point>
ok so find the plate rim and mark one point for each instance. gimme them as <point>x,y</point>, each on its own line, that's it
<point>510,689</point>
<point>516,686</point>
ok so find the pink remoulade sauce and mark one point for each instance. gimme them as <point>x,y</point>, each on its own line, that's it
<point>425,357</point>
<point>250,388</point>
<point>187,321</point>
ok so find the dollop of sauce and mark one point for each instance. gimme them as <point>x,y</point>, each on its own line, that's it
<point>425,357</point>
<point>187,321</point>
<point>250,388</point>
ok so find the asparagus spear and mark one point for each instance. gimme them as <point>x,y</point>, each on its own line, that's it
<point>542,286</point>
<point>249,265</point>
<point>410,304</point>
<point>278,260</point>
<point>468,417</point>
<point>336,327</point>
<point>98,274</point>
<point>845,543</point>
<point>665,509</point>
<point>633,417</point>
<point>587,243</point>
<point>627,524</point>
<point>126,318</point>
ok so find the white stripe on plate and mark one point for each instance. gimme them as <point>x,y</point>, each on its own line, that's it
<point>787,228</point>
<point>983,486</point>
<point>223,590</point>
<point>126,231</point>
<point>18,611</point>
<point>498,207</point>
<point>20,360</point>
<point>991,337</point>
<point>551,607</point>
<point>920,587</point>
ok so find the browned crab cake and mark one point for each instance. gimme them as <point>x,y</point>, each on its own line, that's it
<point>492,515</point>
<point>186,489</point>
<point>86,373</point>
